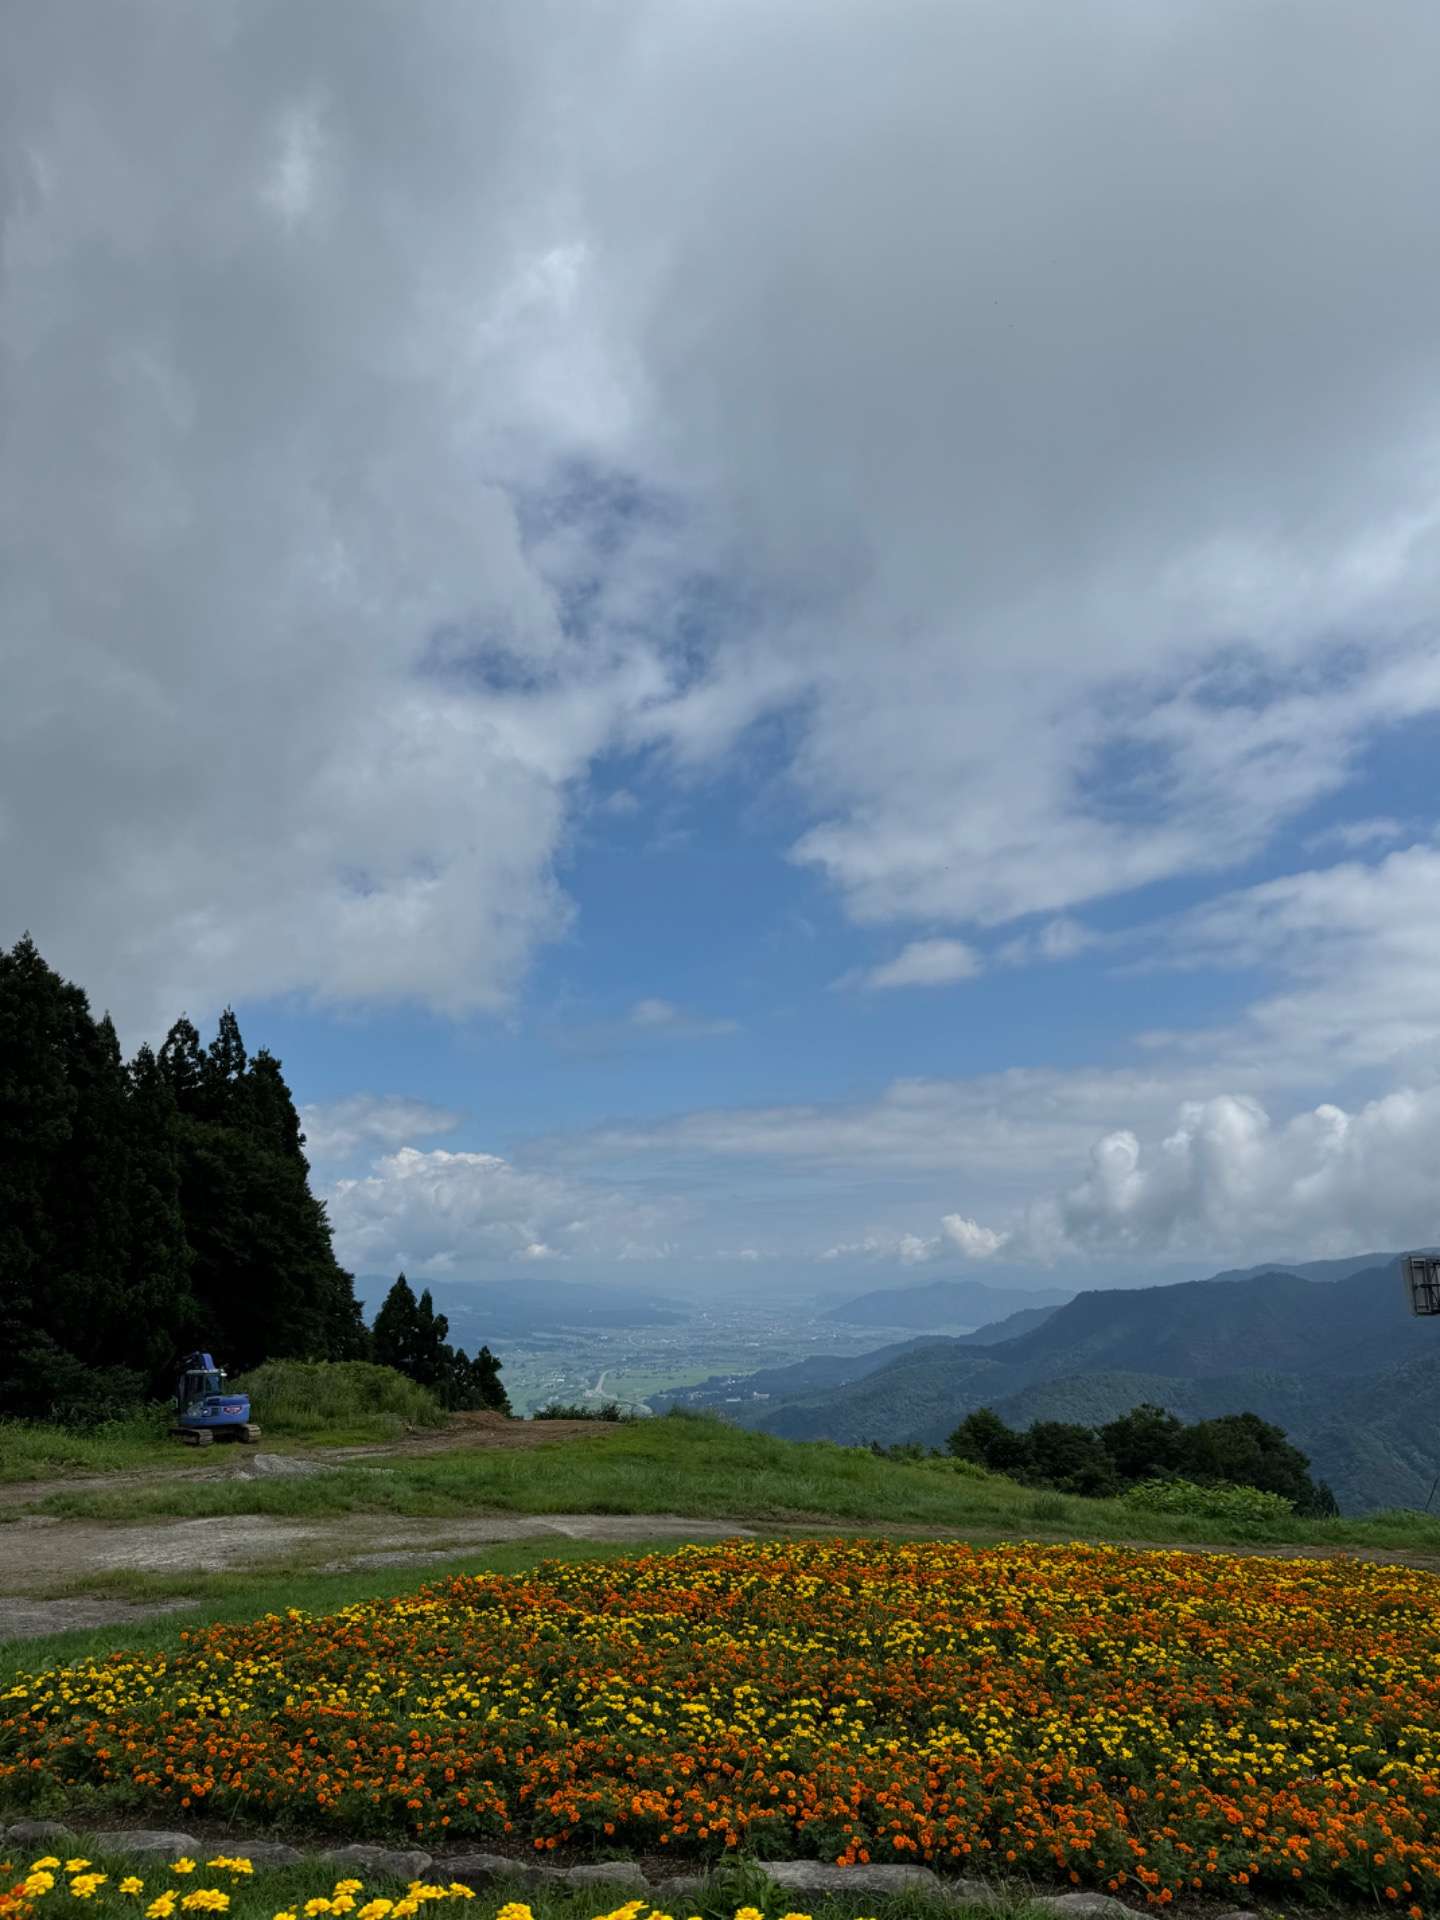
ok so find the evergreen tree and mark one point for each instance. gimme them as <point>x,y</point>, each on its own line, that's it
<point>182,1062</point>
<point>92,1261</point>
<point>265,1274</point>
<point>395,1336</point>
<point>411,1336</point>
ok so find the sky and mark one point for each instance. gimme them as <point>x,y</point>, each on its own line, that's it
<point>775,648</point>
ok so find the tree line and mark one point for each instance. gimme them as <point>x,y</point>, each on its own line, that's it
<point>1148,1443</point>
<point>162,1203</point>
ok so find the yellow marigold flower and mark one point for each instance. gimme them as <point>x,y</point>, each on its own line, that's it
<point>84,1885</point>
<point>37,1884</point>
<point>406,1906</point>
<point>161,1908</point>
<point>186,1865</point>
<point>460,1890</point>
<point>132,1883</point>
<point>349,1886</point>
<point>206,1900</point>
<point>285,1913</point>
<point>76,1866</point>
<point>318,1905</point>
<point>375,1910</point>
<point>44,1865</point>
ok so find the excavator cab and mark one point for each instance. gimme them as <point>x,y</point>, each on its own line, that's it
<point>205,1411</point>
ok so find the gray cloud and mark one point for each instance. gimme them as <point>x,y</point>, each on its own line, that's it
<point>1066,376</point>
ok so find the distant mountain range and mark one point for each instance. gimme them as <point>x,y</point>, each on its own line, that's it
<point>943,1303</point>
<point>482,1311</point>
<point>1336,1359</point>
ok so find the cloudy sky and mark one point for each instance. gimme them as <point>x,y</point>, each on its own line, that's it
<point>767,642</point>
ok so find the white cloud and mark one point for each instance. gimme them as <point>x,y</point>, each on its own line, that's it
<point>654,1013</point>
<point>1351,835</point>
<point>1059,939</point>
<point>970,1239</point>
<point>1353,947</point>
<point>665,1017</point>
<point>909,1249</point>
<point>442,1212</point>
<point>337,1129</point>
<point>1226,1178</point>
<point>927,963</point>
<point>313,319</point>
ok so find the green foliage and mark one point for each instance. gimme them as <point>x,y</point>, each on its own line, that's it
<point>93,1262</point>
<point>1240,1504</point>
<point>147,1209</point>
<point>337,1399</point>
<point>264,1274</point>
<point>1147,1445</point>
<point>38,1449</point>
<point>583,1410</point>
<point>411,1337</point>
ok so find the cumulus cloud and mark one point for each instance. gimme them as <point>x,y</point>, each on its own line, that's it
<point>336,1130</point>
<point>1228,1177</point>
<point>439,1212</point>
<point>970,1239</point>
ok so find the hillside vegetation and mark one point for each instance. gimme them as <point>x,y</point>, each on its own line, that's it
<point>705,1469</point>
<point>334,1402</point>
<point>944,1303</point>
<point>1339,1363</point>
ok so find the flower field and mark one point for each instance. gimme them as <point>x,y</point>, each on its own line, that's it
<point>1150,1723</point>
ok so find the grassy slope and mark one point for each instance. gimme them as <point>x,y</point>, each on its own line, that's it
<point>317,1403</point>
<point>705,1469</point>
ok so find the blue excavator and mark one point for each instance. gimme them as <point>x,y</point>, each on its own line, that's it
<point>205,1410</point>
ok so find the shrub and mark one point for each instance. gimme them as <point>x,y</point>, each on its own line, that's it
<point>582,1410</point>
<point>306,1397</point>
<point>1209,1503</point>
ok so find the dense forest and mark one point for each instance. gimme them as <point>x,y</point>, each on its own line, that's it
<point>162,1203</point>
<point>1146,1444</point>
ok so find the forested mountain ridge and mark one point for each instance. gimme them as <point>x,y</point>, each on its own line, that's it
<point>942,1304</point>
<point>1339,1363</point>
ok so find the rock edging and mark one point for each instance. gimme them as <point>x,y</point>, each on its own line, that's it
<point>483,1870</point>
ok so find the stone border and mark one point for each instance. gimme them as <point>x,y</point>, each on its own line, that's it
<point>484,1870</point>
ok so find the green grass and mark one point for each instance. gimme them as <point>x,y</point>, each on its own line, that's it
<point>316,1403</point>
<point>335,1403</point>
<point>32,1451</point>
<point>703,1468</point>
